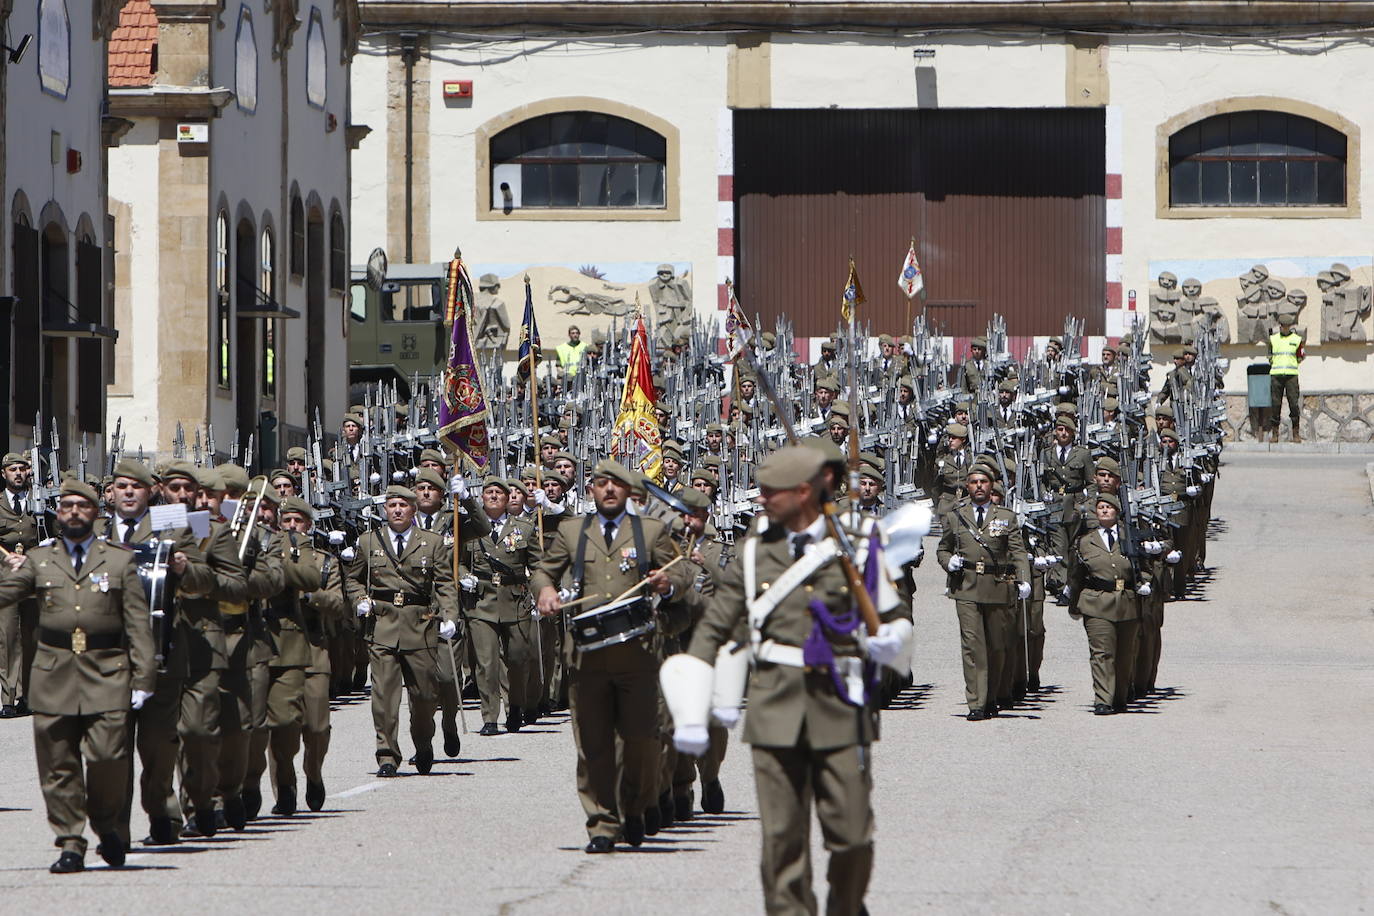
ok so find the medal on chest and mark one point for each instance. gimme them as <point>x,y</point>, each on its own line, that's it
<point>998,527</point>
<point>627,557</point>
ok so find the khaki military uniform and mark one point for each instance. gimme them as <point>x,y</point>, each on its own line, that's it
<point>95,648</point>
<point>499,621</point>
<point>1102,591</point>
<point>984,591</point>
<point>1064,479</point>
<point>410,593</point>
<point>474,525</point>
<point>18,622</point>
<point>950,470</point>
<point>613,691</point>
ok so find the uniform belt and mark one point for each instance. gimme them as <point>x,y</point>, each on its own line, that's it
<point>1107,585</point>
<point>79,640</point>
<point>992,569</point>
<point>776,653</point>
<point>398,598</point>
<point>499,579</point>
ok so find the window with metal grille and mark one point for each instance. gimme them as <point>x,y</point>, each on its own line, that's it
<point>1257,159</point>
<point>578,159</point>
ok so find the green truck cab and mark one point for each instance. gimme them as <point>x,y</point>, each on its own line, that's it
<point>396,325</point>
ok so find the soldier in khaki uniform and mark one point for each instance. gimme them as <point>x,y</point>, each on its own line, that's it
<point>499,622</point>
<point>1105,591</point>
<point>1067,468</point>
<point>809,729</point>
<point>982,548</point>
<point>951,468</point>
<point>18,532</point>
<point>403,578</point>
<point>94,661</point>
<point>613,690</point>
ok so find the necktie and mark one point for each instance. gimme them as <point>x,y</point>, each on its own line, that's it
<point>429,523</point>
<point>1063,454</point>
<point>980,516</point>
<point>78,555</point>
<point>129,526</point>
<point>610,534</point>
<point>1111,539</point>
<point>799,544</point>
<point>18,505</point>
<point>400,544</point>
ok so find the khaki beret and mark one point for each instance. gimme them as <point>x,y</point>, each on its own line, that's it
<point>1180,353</point>
<point>906,382</point>
<point>269,495</point>
<point>957,429</point>
<point>514,483</point>
<point>72,487</point>
<point>283,472</point>
<point>769,338</point>
<point>396,491</point>
<point>1108,348</point>
<point>826,446</point>
<point>872,460</point>
<point>838,419</point>
<point>210,479</point>
<point>840,407</point>
<point>179,467</point>
<point>714,428</point>
<point>703,474</point>
<point>979,342</point>
<point>790,467</point>
<point>1110,499</point>
<point>609,467</point>
<point>1110,404</point>
<point>431,477</point>
<point>872,473</point>
<point>1007,384</point>
<point>352,418</point>
<point>1066,422</point>
<point>830,344</point>
<point>1068,407</point>
<point>982,467</point>
<point>829,384</point>
<point>15,458</point>
<point>297,505</point>
<point>663,406</point>
<point>696,500</point>
<point>1190,350</point>
<point>134,469</point>
<point>297,453</point>
<point>1107,463</point>
<point>433,454</point>
<point>235,477</point>
<point>567,456</point>
<point>529,472</point>
<point>885,339</point>
<point>1164,410</point>
<point>496,482</point>
<point>1168,434</point>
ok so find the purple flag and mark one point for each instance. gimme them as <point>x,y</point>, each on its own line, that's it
<point>462,405</point>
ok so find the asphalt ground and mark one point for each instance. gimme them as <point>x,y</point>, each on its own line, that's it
<point>1242,788</point>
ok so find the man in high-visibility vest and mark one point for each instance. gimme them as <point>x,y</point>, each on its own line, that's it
<point>570,353</point>
<point>1285,353</point>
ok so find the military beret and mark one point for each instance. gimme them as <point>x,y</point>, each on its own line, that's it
<point>296,453</point>
<point>1180,353</point>
<point>673,448</point>
<point>210,479</point>
<point>1164,410</point>
<point>496,482</point>
<point>567,423</point>
<point>1110,499</point>
<point>906,382</point>
<point>563,456</point>
<point>872,460</point>
<point>714,428</point>
<point>431,477</point>
<point>885,339</point>
<point>827,446</point>
<point>1110,404</point>
<point>1008,384</point>
<point>769,338</point>
<point>396,491</point>
<point>352,418</point>
<point>965,405</point>
<point>235,477</point>
<point>981,342</point>
<point>829,384</point>
<point>838,419</point>
<point>696,500</point>
<point>871,473</point>
<point>1288,318</point>
<point>957,429</point>
<point>710,461</point>
<point>1107,463</point>
<point>402,410</point>
<point>297,505</point>
<point>1054,342</point>
<point>529,472</point>
<point>609,467</point>
<point>257,484</point>
<point>1168,434</point>
<point>829,344</point>
<point>982,467</point>
<point>840,407</point>
<point>1190,350</point>
<point>179,467</point>
<point>1108,348</point>
<point>72,487</point>
<point>134,469</point>
<point>999,490</point>
<point>1068,407</point>
<point>488,280</point>
<point>663,406</point>
<point>15,458</point>
<point>515,483</point>
<point>283,472</point>
<point>433,454</point>
<point>703,474</point>
<point>790,467</point>
<point>1066,422</point>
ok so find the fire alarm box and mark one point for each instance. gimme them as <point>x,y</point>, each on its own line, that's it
<point>457,89</point>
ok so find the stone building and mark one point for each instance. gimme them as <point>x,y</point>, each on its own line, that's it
<point>230,197</point>
<point>1047,158</point>
<point>56,336</point>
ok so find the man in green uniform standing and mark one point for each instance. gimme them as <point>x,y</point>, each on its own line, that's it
<point>1285,353</point>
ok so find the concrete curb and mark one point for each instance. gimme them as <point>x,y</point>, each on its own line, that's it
<point>1304,448</point>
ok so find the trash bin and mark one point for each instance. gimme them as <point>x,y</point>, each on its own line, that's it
<point>1257,398</point>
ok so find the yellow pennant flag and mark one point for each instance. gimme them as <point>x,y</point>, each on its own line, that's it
<point>853,293</point>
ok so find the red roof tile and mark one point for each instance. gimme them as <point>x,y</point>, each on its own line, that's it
<point>133,45</point>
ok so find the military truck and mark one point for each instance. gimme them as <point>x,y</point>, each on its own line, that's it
<point>396,326</point>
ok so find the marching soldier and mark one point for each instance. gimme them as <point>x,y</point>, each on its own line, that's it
<point>1066,468</point>
<point>612,689</point>
<point>402,577</point>
<point>18,533</point>
<point>982,548</point>
<point>973,370</point>
<point>94,663</point>
<point>951,469</point>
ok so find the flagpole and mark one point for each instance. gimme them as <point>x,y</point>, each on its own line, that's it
<point>534,419</point>
<point>908,298</point>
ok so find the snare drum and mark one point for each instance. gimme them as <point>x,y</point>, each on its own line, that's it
<point>612,624</point>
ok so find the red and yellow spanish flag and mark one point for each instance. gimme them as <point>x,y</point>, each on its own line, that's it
<point>636,441</point>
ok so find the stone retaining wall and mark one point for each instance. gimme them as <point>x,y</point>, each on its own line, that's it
<point>1327,416</point>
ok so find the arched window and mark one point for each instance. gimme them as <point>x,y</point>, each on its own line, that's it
<point>246,63</point>
<point>575,159</point>
<point>315,61</point>
<point>297,236</point>
<point>338,253</point>
<point>222,299</point>
<point>267,282</point>
<point>1257,159</point>
<point>54,46</point>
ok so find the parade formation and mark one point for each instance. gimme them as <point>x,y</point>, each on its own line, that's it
<point>665,533</point>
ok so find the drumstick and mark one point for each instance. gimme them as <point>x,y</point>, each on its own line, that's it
<point>638,585</point>
<point>568,604</point>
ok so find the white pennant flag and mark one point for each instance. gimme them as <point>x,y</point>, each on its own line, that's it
<point>911,281</point>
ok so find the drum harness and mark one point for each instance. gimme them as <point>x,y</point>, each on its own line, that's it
<point>580,558</point>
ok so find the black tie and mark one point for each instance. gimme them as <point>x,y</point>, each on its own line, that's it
<point>129,525</point>
<point>799,544</point>
<point>429,523</point>
<point>980,516</point>
<point>400,544</point>
<point>610,534</point>
<point>18,505</point>
<point>1063,455</point>
<point>1111,539</point>
<point>77,556</point>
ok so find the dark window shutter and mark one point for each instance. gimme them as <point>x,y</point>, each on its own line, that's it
<point>28,332</point>
<point>90,371</point>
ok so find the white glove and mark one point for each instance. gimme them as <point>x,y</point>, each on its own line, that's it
<point>1153,548</point>
<point>1173,556</point>
<point>1043,563</point>
<point>1206,477</point>
<point>364,607</point>
<point>398,476</point>
<point>566,594</point>
<point>1063,389</point>
<point>336,538</point>
<point>727,716</point>
<point>1192,490</point>
<point>956,563</point>
<point>1143,589</point>
<point>347,554</point>
<point>933,438</point>
<point>457,487</point>
<point>885,645</point>
<point>447,628</point>
<point>541,499</point>
<point>1023,590</point>
<point>468,583</point>
<point>374,478</point>
<point>415,471</point>
<point>140,697</point>
<point>691,739</point>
